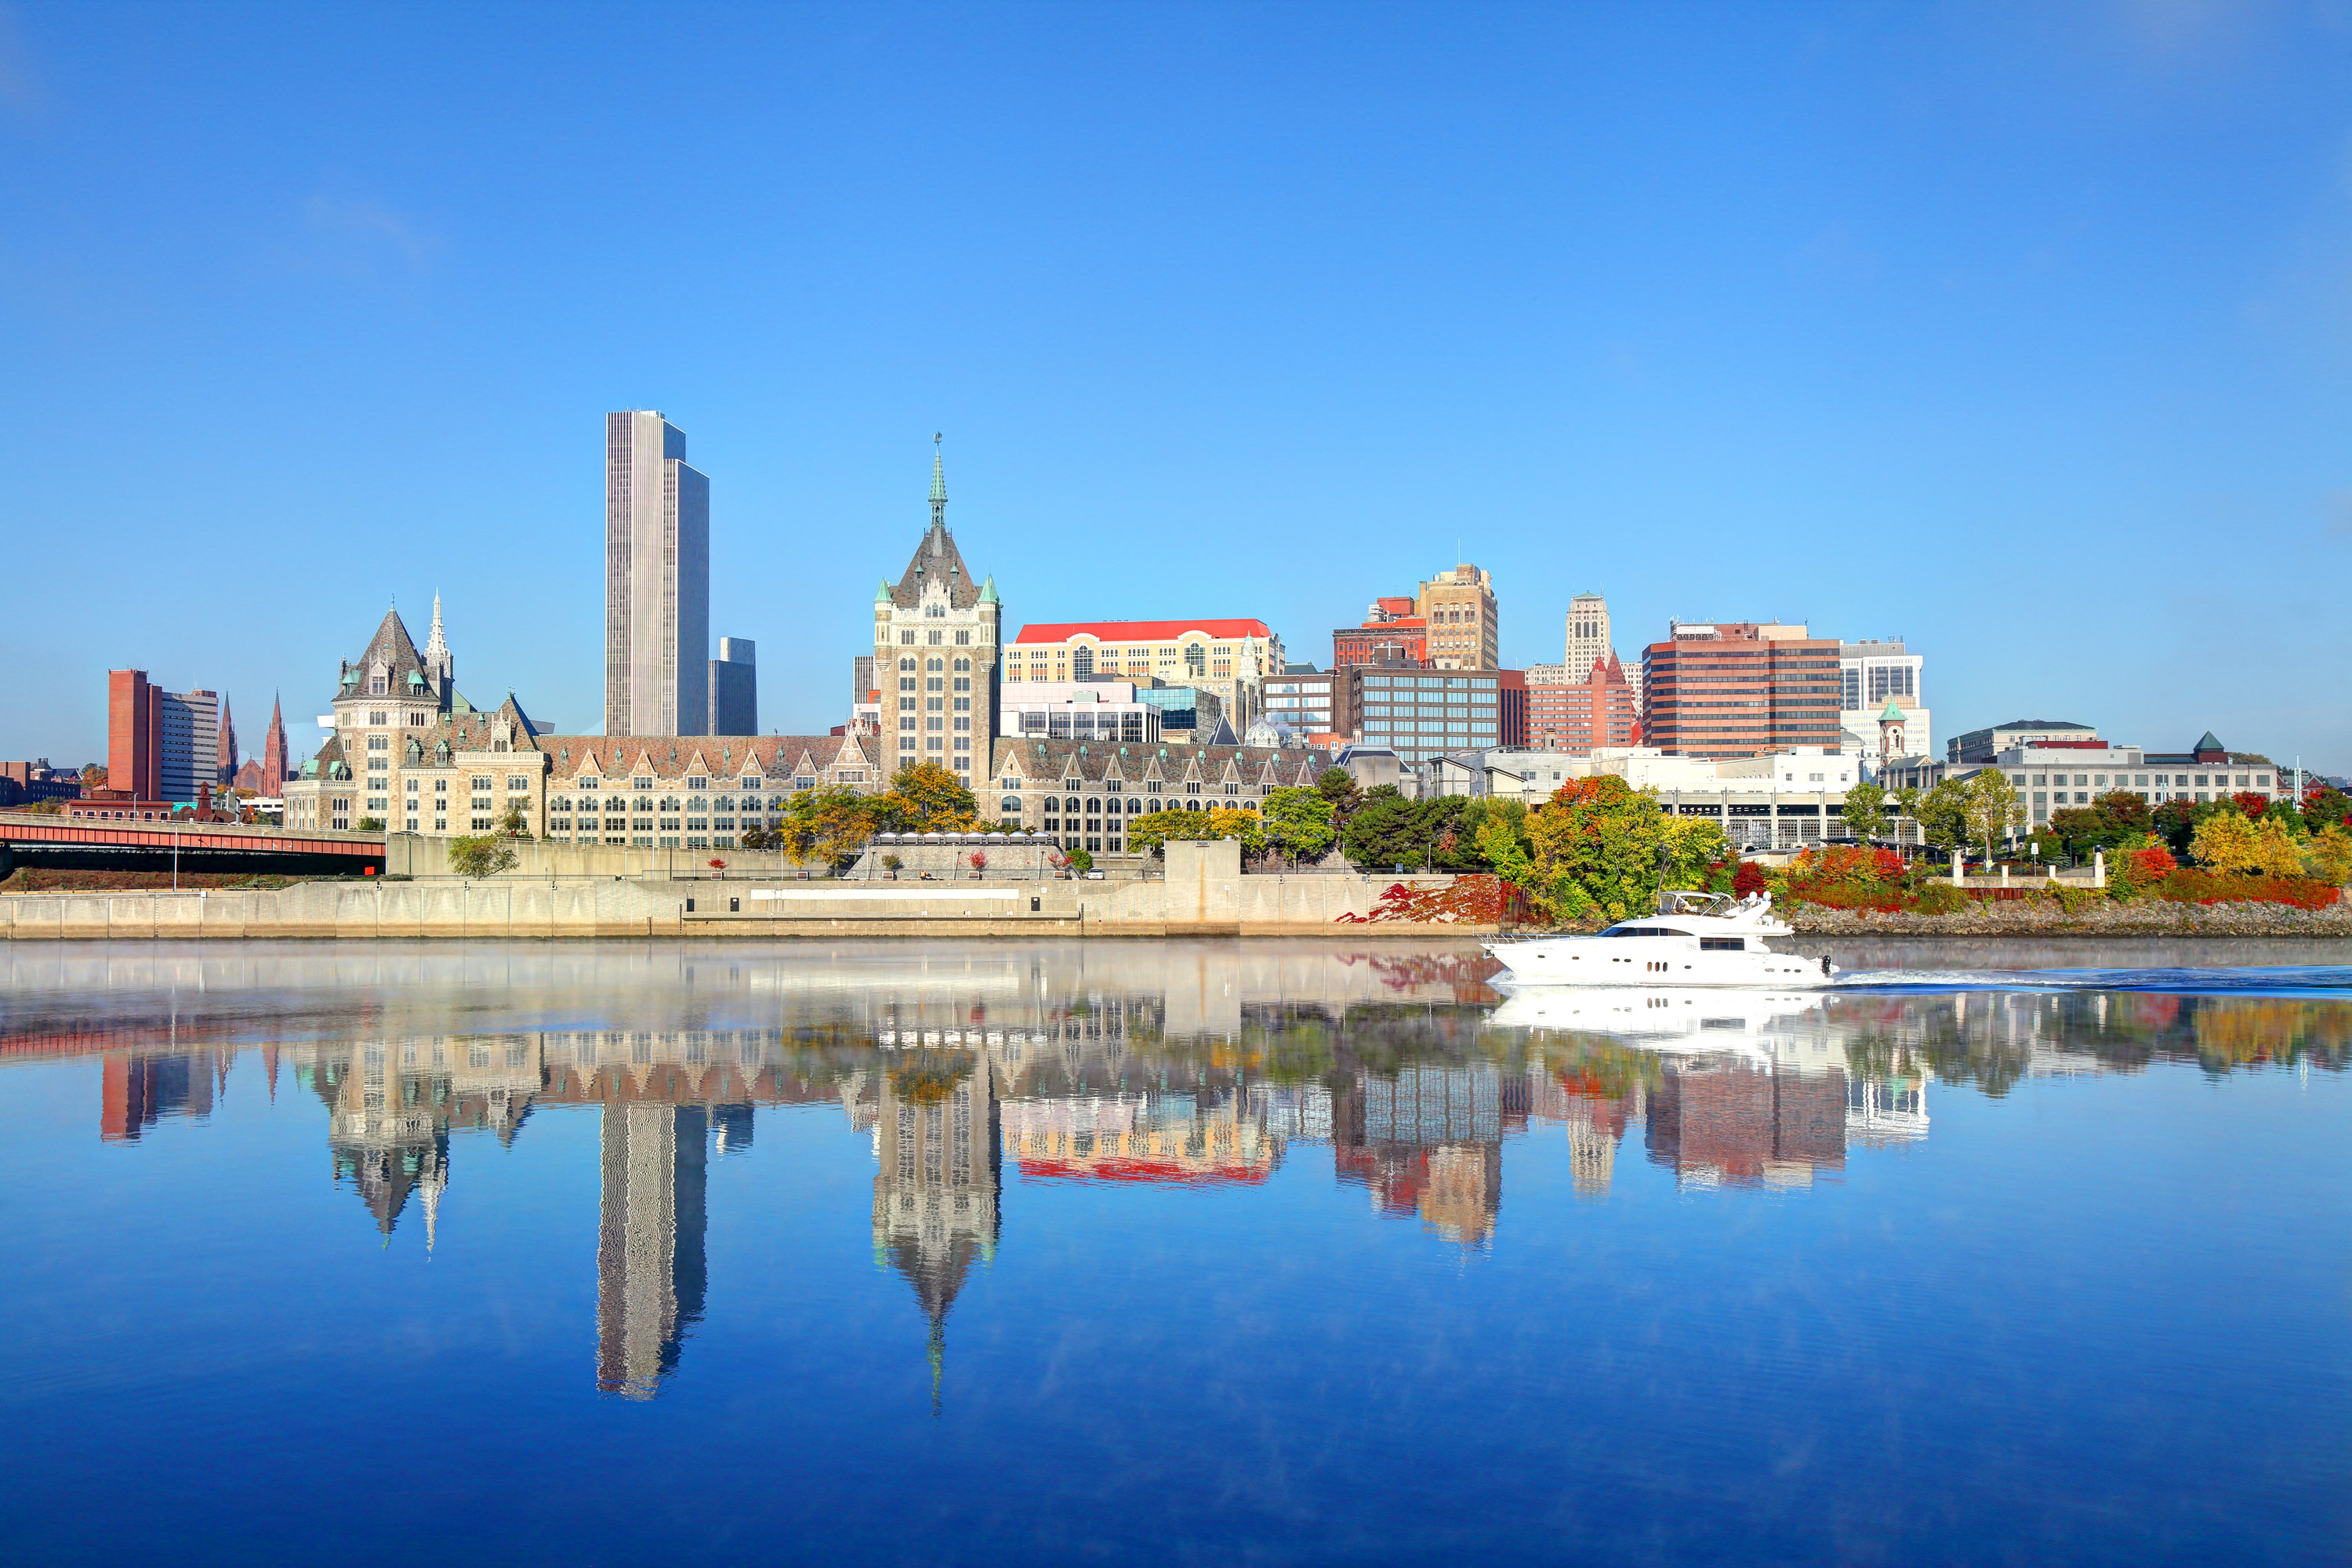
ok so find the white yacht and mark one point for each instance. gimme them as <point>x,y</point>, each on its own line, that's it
<point>1695,939</point>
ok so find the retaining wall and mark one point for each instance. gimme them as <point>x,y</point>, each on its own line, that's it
<point>1204,894</point>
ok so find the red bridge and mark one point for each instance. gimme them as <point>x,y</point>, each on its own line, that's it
<point>40,839</point>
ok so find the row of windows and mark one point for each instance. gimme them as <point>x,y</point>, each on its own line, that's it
<point>2163,780</point>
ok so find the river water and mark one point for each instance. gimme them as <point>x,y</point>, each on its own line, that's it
<point>1311,1252</point>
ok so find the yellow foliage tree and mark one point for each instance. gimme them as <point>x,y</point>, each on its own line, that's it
<point>2227,841</point>
<point>2328,854</point>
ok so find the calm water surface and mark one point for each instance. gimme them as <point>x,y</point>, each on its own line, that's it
<point>1185,1252</point>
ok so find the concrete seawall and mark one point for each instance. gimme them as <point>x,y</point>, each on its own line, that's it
<point>1204,894</point>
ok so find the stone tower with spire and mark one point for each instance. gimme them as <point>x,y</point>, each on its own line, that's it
<point>936,653</point>
<point>227,747</point>
<point>437,658</point>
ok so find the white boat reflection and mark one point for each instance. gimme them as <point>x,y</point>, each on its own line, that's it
<point>1680,1019</point>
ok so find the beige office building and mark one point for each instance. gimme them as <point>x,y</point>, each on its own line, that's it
<point>1464,632</point>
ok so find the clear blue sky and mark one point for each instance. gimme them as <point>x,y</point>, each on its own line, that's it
<point>2025,333</point>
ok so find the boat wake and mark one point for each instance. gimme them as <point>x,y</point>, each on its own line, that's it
<point>2307,981</point>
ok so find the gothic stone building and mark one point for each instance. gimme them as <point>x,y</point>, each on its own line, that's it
<point>410,752</point>
<point>1084,794</point>
<point>936,653</point>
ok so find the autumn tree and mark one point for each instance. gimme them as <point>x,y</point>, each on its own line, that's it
<point>1599,849</point>
<point>924,797</point>
<point>2232,841</point>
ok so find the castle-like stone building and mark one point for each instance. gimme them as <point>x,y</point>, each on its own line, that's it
<point>937,654</point>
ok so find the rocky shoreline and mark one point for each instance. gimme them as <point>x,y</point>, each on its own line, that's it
<point>2037,917</point>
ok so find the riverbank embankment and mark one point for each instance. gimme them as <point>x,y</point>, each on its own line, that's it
<point>1203,893</point>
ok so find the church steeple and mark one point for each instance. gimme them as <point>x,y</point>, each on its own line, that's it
<point>939,485</point>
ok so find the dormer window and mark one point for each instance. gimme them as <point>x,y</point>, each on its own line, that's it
<point>375,685</point>
<point>698,783</point>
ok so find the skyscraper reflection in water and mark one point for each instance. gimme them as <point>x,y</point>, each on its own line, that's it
<point>650,1272</point>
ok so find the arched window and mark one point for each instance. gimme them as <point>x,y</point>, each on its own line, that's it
<point>1011,802</point>
<point>938,665</point>
<point>963,664</point>
<point>1072,803</point>
<point>1082,664</point>
<point>906,664</point>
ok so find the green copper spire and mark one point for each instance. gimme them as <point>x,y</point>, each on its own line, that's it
<point>988,591</point>
<point>939,485</point>
<point>1892,713</point>
<point>882,594</point>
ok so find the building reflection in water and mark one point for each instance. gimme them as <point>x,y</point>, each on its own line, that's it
<point>1181,1065</point>
<point>1429,1141</point>
<point>934,1118</point>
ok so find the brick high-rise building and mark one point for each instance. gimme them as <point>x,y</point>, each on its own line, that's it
<point>131,759</point>
<point>1576,719</point>
<point>935,652</point>
<point>1740,689</point>
<point>160,745</point>
<point>657,580</point>
<point>1394,633</point>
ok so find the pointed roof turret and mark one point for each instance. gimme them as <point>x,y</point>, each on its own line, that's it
<point>936,558</point>
<point>988,591</point>
<point>2208,742</point>
<point>939,485</point>
<point>1892,713</point>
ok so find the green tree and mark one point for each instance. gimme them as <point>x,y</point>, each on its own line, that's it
<point>511,822</point>
<point>1942,813</point>
<point>481,855</point>
<point>1300,823</point>
<point>1991,806</point>
<point>371,824</point>
<point>1383,831</point>
<point>1338,786</point>
<point>1866,812</point>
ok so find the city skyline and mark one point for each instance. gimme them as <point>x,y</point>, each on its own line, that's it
<point>1996,340</point>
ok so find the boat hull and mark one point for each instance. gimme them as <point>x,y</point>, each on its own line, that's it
<point>1596,962</point>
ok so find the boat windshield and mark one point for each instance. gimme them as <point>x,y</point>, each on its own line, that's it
<point>1686,903</point>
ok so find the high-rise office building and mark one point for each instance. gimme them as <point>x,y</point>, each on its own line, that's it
<point>1874,673</point>
<point>1588,636</point>
<point>160,745</point>
<point>734,688</point>
<point>657,580</point>
<point>1465,629</point>
<point>1740,689</point>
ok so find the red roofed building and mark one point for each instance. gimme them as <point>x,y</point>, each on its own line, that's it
<point>1231,658</point>
<point>1598,711</point>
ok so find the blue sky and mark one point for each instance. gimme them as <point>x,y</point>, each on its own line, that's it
<point>2025,333</point>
